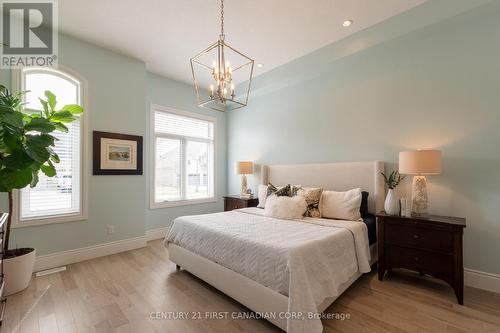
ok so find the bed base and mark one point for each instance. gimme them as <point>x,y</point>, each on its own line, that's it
<point>246,291</point>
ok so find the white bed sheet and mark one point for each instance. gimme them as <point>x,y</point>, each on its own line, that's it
<point>306,260</point>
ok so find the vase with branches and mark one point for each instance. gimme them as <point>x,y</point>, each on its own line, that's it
<point>392,180</point>
<point>27,147</point>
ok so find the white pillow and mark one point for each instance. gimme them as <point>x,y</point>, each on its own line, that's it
<point>286,208</point>
<point>341,205</point>
<point>262,195</point>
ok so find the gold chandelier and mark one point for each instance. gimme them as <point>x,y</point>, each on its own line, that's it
<point>222,71</point>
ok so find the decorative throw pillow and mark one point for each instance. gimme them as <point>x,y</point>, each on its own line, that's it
<point>341,205</point>
<point>312,195</point>
<point>262,195</point>
<point>284,191</point>
<point>271,189</point>
<point>295,190</point>
<point>286,208</point>
<point>279,192</point>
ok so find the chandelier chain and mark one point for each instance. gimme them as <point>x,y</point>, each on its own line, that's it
<point>222,17</point>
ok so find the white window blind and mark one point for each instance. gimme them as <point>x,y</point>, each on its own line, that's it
<point>184,157</point>
<point>60,195</point>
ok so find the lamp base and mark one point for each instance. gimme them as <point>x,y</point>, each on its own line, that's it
<point>244,186</point>
<point>419,197</point>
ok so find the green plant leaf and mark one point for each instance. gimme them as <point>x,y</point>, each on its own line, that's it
<point>13,118</point>
<point>62,116</point>
<point>12,139</point>
<point>6,108</point>
<point>48,170</point>
<point>15,179</point>
<point>385,177</point>
<point>60,127</point>
<point>17,160</point>
<point>36,146</point>
<point>73,108</point>
<point>51,99</point>
<point>34,179</point>
<point>54,157</point>
<point>47,139</point>
<point>45,106</point>
<point>41,125</point>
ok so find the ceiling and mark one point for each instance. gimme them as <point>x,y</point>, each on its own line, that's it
<point>166,33</point>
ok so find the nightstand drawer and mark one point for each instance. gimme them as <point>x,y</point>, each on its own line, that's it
<point>230,204</point>
<point>235,202</point>
<point>427,262</point>
<point>429,239</point>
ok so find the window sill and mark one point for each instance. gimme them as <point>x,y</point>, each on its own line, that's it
<point>48,220</point>
<point>168,204</point>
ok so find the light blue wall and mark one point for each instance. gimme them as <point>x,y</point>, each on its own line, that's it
<point>116,94</point>
<point>117,102</point>
<point>437,87</point>
<point>169,93</point>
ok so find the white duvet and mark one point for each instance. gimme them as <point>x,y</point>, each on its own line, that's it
<point>306,260</point>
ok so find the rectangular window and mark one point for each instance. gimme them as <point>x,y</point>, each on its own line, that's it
<point>58,198</point>
<point>183,157</point>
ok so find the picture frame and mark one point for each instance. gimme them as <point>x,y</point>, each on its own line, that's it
<point>117,154</point>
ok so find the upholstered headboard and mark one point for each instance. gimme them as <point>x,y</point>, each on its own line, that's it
<point>332,176</point>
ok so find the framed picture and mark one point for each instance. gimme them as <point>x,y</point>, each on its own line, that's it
<point>117,154</point>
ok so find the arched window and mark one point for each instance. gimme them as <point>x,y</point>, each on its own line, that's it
<point>59,198</point>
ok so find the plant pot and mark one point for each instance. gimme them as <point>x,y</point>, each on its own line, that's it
<point>18,266</point>
<point>391,205</point>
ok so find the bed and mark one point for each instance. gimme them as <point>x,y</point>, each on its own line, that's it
<point>286,271</point>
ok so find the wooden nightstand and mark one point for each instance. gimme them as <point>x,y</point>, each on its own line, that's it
<point>235,202</point>
<point>429,245</point>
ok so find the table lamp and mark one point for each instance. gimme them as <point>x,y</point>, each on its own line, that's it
<point>244,168</point>
<point>419,163</point>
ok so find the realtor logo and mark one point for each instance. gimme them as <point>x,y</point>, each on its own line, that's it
<point>29,33</point>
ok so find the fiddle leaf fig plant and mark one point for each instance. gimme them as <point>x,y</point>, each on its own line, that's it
<point>27,143</point>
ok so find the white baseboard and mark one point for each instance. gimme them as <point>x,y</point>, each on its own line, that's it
<point>482,280</point>
<point>158,233</point>
<point>57,259</point>
<point>52,260</point>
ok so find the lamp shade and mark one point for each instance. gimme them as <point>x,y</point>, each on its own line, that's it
<point>244,168</point>
<point>420,162</point>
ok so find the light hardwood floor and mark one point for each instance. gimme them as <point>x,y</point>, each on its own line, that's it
<point>117,293</point>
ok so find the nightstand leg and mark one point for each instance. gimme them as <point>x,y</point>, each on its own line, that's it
<point>459,292</point>
<point>381,272</point>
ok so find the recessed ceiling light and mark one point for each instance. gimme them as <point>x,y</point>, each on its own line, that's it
<point>260,65</point>
<point>347,23</point>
